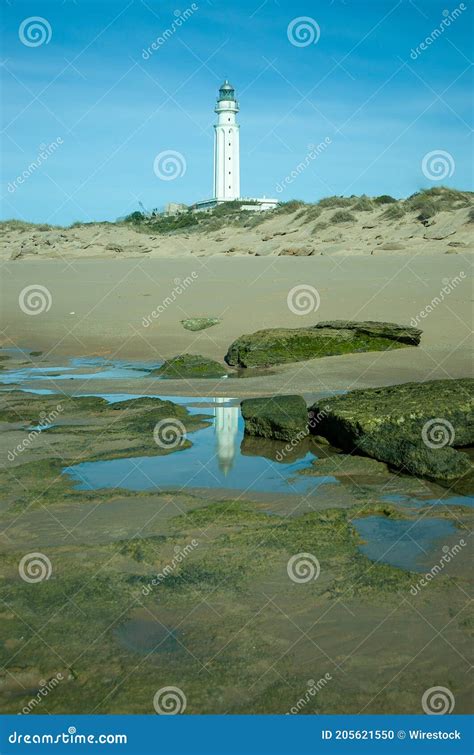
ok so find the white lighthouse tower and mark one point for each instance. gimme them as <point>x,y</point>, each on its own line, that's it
<point>226,146</point>
<point>227,159</point>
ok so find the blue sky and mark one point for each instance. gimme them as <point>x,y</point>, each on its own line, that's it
<point>111,109</point>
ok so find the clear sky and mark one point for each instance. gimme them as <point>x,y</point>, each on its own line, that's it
<point>83,83</point>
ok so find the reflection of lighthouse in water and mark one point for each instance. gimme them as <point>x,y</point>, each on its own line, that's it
<point>226,428</point>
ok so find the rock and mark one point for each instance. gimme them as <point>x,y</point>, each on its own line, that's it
<point>346,465</point>
<point>199,323</point>
<point>403,333</point>
<point>392,247</point>
<point>296,251</point>
<point>282,345</point>
<point>438,234</point>
<point>115,248</point>
<point>278,417</point>
<point>190,366</point>
<point>411,426</point>
<point>456,243</point>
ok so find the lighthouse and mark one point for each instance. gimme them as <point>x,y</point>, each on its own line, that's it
<point>227,159</point>
<point>226,146</point>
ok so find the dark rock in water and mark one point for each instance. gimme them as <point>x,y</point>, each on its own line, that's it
<point>199,323</point>
<point>279,417</point>
<point>412,427</point>
<point>190,366</point>
<point>281,345</point>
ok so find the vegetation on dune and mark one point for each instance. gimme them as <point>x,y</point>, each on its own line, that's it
<point>343,216</point>
<point>394,212</point>
<point>384,199</point>
<point>328,202</point>
<point>363,204</point>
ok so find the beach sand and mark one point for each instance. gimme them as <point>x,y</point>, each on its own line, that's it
<point>133,308</point>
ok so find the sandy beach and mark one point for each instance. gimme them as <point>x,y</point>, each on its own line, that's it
<point>100,307</point>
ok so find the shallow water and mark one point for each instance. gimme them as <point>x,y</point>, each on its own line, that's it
<point>215,460</point>
<point>406,544</point>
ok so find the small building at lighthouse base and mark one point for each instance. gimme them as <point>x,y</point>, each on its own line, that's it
<point>250,204</point>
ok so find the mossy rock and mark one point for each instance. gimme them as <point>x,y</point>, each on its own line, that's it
<point>279,417</point>
<point>190,366</point>
<point>282,345</point>
<point>199,323</point>
<point>414,426</point>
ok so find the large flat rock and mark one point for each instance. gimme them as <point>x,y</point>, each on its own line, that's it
<point>414,427</point>
<point>282,345</point>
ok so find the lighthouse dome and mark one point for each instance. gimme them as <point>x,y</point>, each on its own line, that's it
<point>226,91</point>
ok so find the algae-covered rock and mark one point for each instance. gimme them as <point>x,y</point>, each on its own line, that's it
<point>401,333</point>
<point>190,366</point>
<point>199,323</point>
<point>279,417</point>
<point>413,426</point>
<point>281,345</point>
